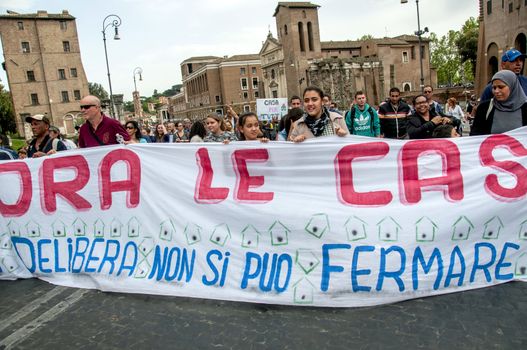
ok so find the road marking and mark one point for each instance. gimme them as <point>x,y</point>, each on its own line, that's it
<point>32,306</point>
<point>25,331</point>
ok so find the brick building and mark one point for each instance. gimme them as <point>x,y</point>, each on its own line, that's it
<point>210,83</point>
<point>297,58</point>
<point>502,25</point>
<point>44,67</point>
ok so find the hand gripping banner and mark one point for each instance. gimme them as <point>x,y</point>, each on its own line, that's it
<point>334,222</point>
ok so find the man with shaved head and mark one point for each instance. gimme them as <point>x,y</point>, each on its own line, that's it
<point>99,129</point>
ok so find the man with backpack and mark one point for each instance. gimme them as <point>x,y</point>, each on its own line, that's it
<point>42,144</point>
<point>362,119</point>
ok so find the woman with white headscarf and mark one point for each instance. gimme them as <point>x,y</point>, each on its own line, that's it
<point>506,111</point>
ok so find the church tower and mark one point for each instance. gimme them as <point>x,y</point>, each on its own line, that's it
<point>298,33</point>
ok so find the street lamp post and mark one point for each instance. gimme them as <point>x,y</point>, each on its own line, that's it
<point>138,111</point>
<point>419,33</point>
<point>114,21</point>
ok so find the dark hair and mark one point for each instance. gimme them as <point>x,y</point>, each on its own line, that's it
<point>316,89</point>
<point>197,128</point>
<point>430,86</point>
<point>241,122</point>
<point>395,89</point>
<point>291,117</point>
<point>443,131</point>
<point>328,96</point>
<point>359,93</point>
<point>294,97</point>
<point>415,98</point>
<point>137,135</point>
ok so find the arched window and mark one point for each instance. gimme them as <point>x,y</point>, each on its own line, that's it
<point>492,63</point>
<point>407,87</point>
<point>272,74</point>
<point>520,43</point>
<point>301,36</point>
<point>285,29</point>
<point>310,36</point>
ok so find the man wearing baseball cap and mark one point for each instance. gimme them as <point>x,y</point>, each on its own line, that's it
<point>512,60</point>
<point>42,144</point>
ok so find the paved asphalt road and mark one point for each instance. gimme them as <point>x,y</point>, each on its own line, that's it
<point>38,315</point>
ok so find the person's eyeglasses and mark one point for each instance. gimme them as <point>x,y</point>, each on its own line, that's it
<point>86,106</point>
<point>130,127</point>
<point>428,91</point>
<point>420,102</point>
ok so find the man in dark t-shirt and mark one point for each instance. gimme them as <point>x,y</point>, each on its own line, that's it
<point>98,130</point>
<point>42,144</point>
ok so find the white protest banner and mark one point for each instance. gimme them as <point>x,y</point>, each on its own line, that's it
<point>269,108</point>
<point>333,222</point>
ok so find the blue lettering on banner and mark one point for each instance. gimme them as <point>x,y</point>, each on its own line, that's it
<point>396,275</point>
<point>355,272</point>
<point>275,271</point>
<point>461,274</point>
<point>501,263</point>
<point>173,264</point>
<point>427,266</point>
<point>327,269</point>
<point>485,266</point>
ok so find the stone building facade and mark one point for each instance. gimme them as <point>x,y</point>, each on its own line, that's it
<point>502,25</point>
<point>297,58</point>
<point>44,68</point>
<point>210,83</point>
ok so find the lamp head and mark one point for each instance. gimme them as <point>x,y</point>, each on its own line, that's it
<point>116,36</point>
<point>404,1</point>
<point>140,77</point>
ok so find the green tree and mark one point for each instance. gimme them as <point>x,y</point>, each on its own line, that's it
<point>98,90</point>
<point>467,43</point>
<point>7,114</point>
<point>129,106</point>
<point>445,58</point>
<point>366,37</point>
<point>175,89</point>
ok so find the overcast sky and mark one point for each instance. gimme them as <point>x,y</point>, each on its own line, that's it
<point>157,35</point>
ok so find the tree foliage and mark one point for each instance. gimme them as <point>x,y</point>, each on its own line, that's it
<point>467,42</point>
<point>7,114</point>
<point>366,37</point>
<point>446,59</point>
<point>98,90</point>
<point>175,89</point>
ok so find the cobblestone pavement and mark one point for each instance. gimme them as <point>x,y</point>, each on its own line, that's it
<point>38,315</point>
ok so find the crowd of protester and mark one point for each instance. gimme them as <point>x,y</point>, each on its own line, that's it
<point>313,115</point>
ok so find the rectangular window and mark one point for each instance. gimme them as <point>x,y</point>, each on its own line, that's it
<point>423,52</point>
<point>25,47</point>
<point>510,7</point>
<point>189,68</point>
<point>246,108</point>
<point>255,83</point>
<point>73,72</point>
<point>489,7</point>
<point>275,93</point>
<point>62,74</point>
<point>66,46</point>
<point>242,71</point>
<point>245,95</point>
<point>405,57</point>
<point>217,98</point>
<point>20,25</point>
<point>244,84</point>
<point>412,53</point>
<point>253,70</point>
<point>65,96</point>
<point>219,111</point>
<point>77,95</point>
<point>256,95</point>
<point>30,75</point>
<point>63,25</point>
<point>34,99</point>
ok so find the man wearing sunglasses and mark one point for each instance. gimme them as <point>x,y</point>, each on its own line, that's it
<point>99,129</point>
<point>512,60</point>
<point>428,91</point>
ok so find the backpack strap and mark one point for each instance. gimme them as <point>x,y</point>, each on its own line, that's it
<point>491,105</point>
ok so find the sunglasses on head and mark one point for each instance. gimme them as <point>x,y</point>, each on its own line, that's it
<point>87,106</point>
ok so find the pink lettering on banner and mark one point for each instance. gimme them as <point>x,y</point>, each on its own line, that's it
<point>132,184</point>
<point>344,172</point>
<point>411,186</point>
<point>204,193</point>
<point>50,189</point>
<point>492,185</point>
<point>244,181</point>
<point>26,190</point>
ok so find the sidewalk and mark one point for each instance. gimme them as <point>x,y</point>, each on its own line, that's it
<point>38,315</point>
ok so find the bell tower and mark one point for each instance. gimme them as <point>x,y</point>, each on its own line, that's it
<point>298,32</point>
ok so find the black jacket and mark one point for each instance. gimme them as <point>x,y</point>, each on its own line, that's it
<point>483,125</point>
